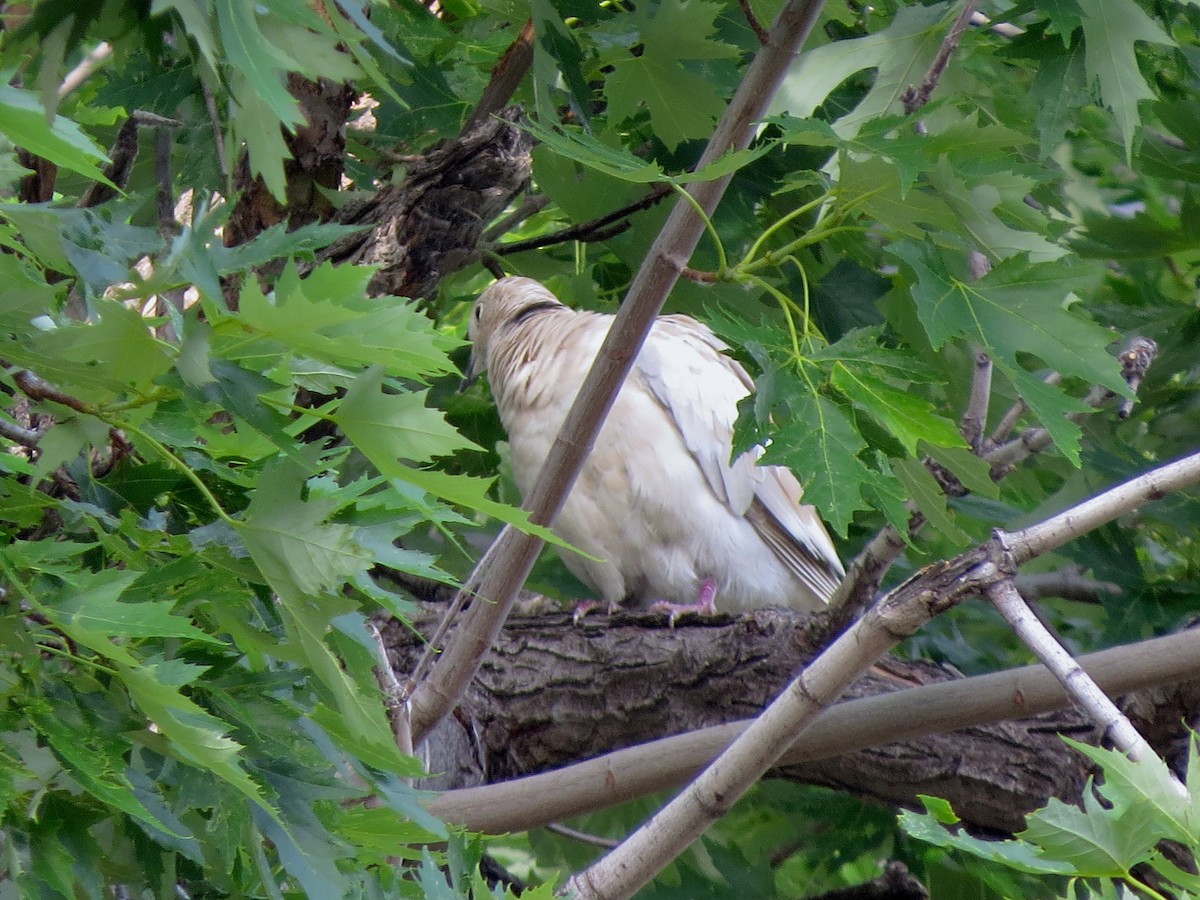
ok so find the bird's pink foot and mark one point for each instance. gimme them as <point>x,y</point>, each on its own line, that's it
<point>705,604</point>
<point>583,607</point>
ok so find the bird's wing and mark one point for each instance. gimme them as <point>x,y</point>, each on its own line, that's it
<point>699,387</point>
<point>683,365</point>
<point>795,532</point>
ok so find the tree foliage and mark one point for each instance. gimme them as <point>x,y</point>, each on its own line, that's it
<point>188,690</point>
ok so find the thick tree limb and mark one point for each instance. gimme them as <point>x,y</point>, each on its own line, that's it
<point>611,689</point>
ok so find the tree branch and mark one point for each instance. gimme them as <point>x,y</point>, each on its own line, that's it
<point>37,388</point>
<point>915,98</point>
<point>1051,534</point>
<point>1074,679</point>
<point>507,76</point>
<point>585,231</point>
<point>974,419</point>
<point>26,437</point>
<point>1069,584</point>
<point>891,717</point>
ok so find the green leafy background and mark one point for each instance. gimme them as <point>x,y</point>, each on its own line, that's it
<point>186,675</point>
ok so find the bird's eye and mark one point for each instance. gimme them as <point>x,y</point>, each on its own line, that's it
<point>478,313</point>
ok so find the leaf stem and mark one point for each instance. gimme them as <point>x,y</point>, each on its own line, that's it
<point>778,224</point>
<point>722,259</point>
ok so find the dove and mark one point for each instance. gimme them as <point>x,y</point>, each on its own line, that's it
<point>668,519</point>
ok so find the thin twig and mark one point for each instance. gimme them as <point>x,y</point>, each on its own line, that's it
<point>1036,439</point>
<point>1066,584</point>
<point>585,231</point>
<point>583,837</point>
<point>752,20</point>
<point>974,420</point>
<point>214,117</point>
<point>37,388</point>
<point>26,437</point>
<point>531,205</point>
<point>1007,423</point>
<point>1077,683</point>
<point>87,66</point>
<point>393,693</point>
<point>915,98</point>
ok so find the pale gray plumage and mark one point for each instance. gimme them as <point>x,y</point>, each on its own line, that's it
<point>658,502</point>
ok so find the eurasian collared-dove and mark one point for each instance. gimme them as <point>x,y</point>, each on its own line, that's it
<point>658,503</point>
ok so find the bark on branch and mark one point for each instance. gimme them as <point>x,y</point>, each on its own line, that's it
<point>564,720</point>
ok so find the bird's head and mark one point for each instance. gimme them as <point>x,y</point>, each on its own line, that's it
<point>504,305</point>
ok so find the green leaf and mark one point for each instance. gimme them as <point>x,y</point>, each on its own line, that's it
<point>873,187</point>
<point>924,491</point>
<point>118,351</point>
<point>557,61</point>
<point>197,736</point>
<point>328,315</point>
<point>98,610</point>
<point>821,445</point>
<point>1061,88</point>
<point>390,427</point>
<point>295,548</point>
<point>304,557</point>
<point>900,54</point>
<point>1110,29</point>
<point>472,493</point>
<point>1016,854</point>
<point>197,21</point>
<point>98,763</point>
<point>907,417</point>
<point>1146,782</point>
<point>23,296</point>
<point>660,82</point>
<point>256,123</point>
<point>58,139</point>
<point>593,153</point>
<point>1018,308</point>
<point>1095,842</point>
<point>257,60</point>
<point>977,209</point>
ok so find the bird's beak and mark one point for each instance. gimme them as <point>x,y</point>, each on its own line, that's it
<point>474,370</point>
